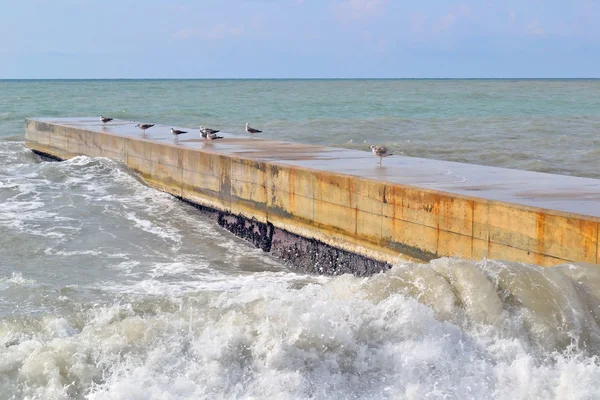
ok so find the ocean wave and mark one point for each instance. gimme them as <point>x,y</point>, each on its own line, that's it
<point>15,157</point>
<point>183,279</point>
<point>450,328</point>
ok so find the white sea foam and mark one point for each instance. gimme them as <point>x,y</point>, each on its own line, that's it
<point>54,252</point>
<point>450,329</point>
<point>148,226</point>
<point>16,278</point>
<point>179,279</point>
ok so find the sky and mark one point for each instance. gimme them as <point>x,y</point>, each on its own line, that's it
<point>41,39</point>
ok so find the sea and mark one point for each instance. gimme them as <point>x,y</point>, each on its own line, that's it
<point>112,290</point>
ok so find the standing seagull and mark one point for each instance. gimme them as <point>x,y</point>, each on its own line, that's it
<point>206,131</point>
<point>105,119</point>
<point>177,132</point>
<point>380,152</point>
<point>143,127</point>
<point>251,131</point>
<point>213,136</point>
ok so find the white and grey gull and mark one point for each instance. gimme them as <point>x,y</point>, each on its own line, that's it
<point>105,119</point>
<point>143,127</point>
<point>381,152</point>
<point>177,132</point>
<point>213,136</point>
<point>251,131</point>
<point>206,131</point>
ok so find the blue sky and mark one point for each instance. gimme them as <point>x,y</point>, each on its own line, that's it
<point>299,39</point>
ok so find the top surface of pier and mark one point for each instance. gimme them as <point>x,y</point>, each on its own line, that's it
<point>555,192</point>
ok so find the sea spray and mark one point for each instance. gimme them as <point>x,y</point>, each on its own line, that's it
<point>342,337</point>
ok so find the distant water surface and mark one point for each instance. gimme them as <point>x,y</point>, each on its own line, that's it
<point>112,290</point>
<point>542,125</point>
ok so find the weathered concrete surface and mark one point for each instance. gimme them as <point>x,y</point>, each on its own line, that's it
<point>411,207</point>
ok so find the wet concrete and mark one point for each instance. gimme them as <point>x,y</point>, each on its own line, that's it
<point>330,211</point>
<point>555,192</point>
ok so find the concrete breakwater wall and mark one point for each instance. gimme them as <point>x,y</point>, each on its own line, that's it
<point>340,201</point>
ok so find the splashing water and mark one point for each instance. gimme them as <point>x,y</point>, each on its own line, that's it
<point>112,290</point>
<point>450,328</point>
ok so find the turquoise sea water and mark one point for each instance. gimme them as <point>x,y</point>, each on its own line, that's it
<point>542,125</point>
<point>112,290</point>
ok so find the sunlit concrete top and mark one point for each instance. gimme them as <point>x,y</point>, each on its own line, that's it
<point>556,192</point>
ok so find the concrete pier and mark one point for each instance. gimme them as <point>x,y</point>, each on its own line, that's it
<point>342,199</point>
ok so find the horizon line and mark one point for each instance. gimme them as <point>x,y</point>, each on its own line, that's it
<point>287,79</point>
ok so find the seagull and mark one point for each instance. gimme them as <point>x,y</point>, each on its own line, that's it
<point>206,131</point>
<point>143,127</point>
<point>177,132</point>
<point>213,136</point>
<point>380,152</point>
<point>105,119</point>
<point>251,130</point>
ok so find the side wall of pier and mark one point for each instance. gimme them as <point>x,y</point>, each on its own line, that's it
<point>378,220</point>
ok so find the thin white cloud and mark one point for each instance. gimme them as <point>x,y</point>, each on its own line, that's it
<point>222,31</point>
<point>512,17</point>
<point>217,32</point>
<point>535,29</point>
<point>185,33</point>
<point>355,9</point>
<point>446,22</point>
<point>418,23</point>
<point>182,8</point>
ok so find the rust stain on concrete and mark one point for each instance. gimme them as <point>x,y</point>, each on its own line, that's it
<point>340,198</point>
